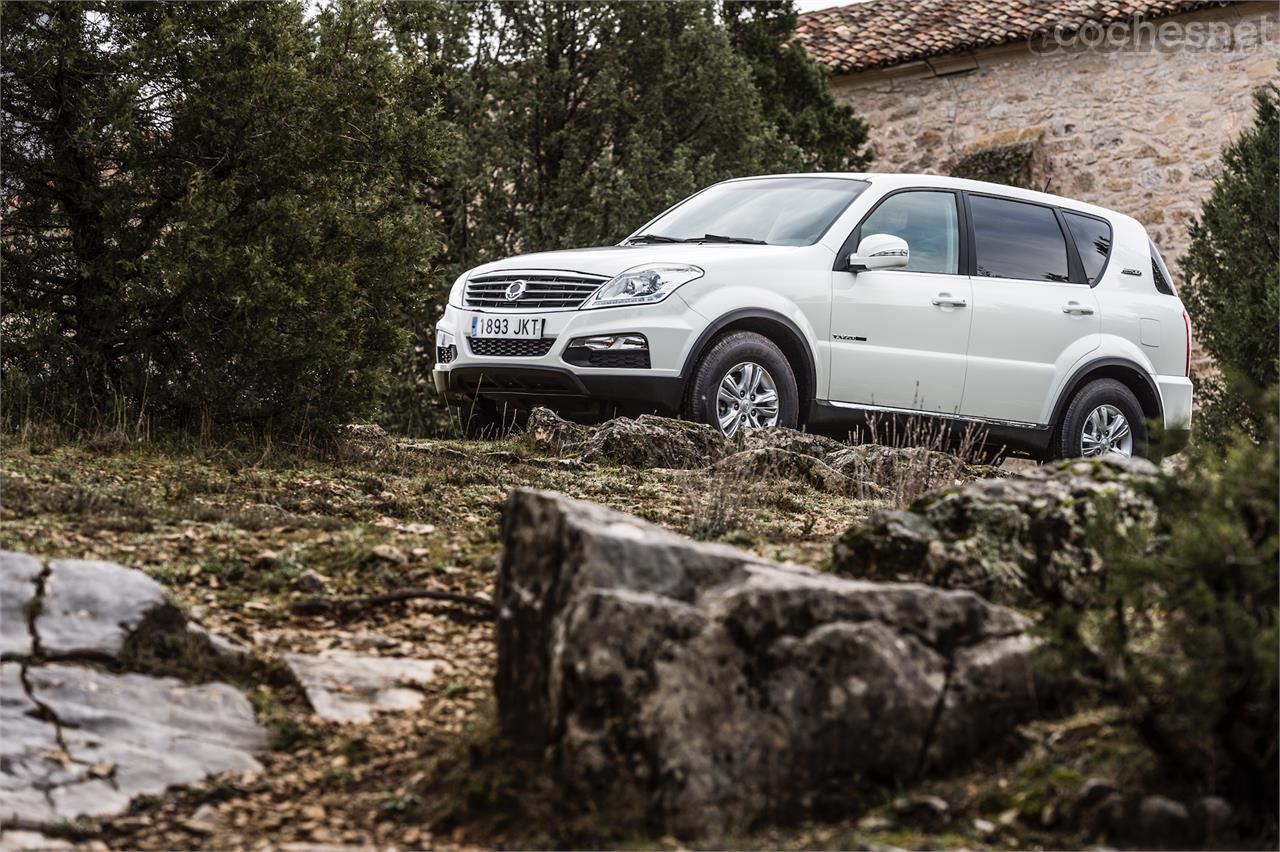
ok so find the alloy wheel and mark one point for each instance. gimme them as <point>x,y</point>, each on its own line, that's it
<point>748,397</point>
<point>1106,432</point>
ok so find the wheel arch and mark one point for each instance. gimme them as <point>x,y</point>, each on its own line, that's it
<point>775,327</point>
<point>1127,372</point>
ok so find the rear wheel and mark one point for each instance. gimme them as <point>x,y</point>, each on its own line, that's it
<point>1103,419</point>
<point>743,381</point>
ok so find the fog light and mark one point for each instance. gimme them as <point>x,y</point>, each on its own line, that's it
<point>612,342</point>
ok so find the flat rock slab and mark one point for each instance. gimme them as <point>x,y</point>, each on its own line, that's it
<point>112,737</point>
<point>702,689</point>
<point>91,607</point>
<point>24,841</point>
<point>18,575</point>
<point>80,742</point>
<point>343,686</point>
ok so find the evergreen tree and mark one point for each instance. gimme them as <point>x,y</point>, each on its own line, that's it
<point>824,135</point>
<point>211,209</point>
<point>1232,269</point>
<point>584,120</point>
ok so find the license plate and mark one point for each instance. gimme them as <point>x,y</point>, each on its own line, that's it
<point>507,328</point>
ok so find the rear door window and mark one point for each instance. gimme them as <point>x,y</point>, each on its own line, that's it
<point>1093,242</point>
<point>1015,239</point>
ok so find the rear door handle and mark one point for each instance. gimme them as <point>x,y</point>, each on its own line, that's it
<point>1077,308</point>
<point>946,300</point>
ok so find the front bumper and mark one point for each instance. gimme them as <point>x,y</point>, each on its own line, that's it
<point>670,327</point>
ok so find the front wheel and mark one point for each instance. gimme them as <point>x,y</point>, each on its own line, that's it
<point>1103,419</point>
<point>744,381</point>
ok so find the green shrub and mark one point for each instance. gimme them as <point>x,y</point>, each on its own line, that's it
<point>1232,270</point>
<point>211,209</point>
<point>1183,629</point>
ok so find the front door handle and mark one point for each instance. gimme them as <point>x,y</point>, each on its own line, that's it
<point>946,300</point>
<point>1077,308</point>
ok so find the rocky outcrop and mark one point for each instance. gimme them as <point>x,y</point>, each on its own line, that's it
<point>866,471</point>
<point>1018,540</point>
<point>786,464</point>
<point>82,742</point>
<point>705,690</point>
<point>647,441</point>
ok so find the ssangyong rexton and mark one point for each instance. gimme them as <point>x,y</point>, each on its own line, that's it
<point>816,300</point>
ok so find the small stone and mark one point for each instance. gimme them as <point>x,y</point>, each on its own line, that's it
<point>1162,822</point>
<point>1212,815</point>
<point>313,812</point>
<point>874,822</point>
<point>931,812</point>
<point>266,560</point>
<point>1008,818</point>
<point>311,582</point>
<point>389,553</point>
<point>204,821</point>
<point>984,827</point>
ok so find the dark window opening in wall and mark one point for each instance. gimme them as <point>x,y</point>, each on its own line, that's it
<point>1010,165</point>
<point>1093,241</point>
<point>1014,239</point>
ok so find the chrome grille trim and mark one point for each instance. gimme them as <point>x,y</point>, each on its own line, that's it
<point>544,290</point>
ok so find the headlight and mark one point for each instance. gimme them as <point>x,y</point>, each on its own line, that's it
<point>455,292</point>
<point>643,285</point>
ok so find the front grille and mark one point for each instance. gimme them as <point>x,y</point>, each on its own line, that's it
<point>542,290</point>
<point>446,354</point>
<point>496,348</point>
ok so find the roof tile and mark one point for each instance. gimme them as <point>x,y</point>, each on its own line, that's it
<point>883,33</point>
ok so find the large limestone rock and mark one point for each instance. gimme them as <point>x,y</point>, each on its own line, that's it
<point>1018,540</point>
<point>703,689</point>
<point>82,742</point>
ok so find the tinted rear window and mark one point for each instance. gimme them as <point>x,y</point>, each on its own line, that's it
<point>1160,272</point>
<point>1093,241</point>
<point>1017,240</point>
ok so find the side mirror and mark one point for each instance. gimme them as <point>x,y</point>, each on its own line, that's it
<point>879,251</point>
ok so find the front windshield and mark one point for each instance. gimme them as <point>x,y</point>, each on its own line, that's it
<point>779,211</point>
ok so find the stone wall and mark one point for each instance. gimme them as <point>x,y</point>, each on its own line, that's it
<point>1139,132</point>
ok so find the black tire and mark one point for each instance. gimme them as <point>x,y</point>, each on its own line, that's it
<point>728,351</point>
<point>1099,392</point>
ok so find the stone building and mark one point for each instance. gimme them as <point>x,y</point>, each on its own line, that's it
<point>1122,103</point>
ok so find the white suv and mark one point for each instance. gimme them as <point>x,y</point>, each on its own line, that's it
<point>814,300</point>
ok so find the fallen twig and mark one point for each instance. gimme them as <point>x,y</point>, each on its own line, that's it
<point>347,606</point>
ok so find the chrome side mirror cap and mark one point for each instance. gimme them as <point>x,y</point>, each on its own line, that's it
<point>879,251</point>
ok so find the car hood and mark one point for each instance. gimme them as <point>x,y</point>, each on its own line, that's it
<point>612,260</point>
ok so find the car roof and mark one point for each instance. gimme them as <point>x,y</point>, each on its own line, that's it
<point>896,180</point>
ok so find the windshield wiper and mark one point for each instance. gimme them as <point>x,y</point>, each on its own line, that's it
<point>716,238</point>
<point>654,238</point>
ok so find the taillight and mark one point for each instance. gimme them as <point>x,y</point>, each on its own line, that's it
<point>1186,322</point>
